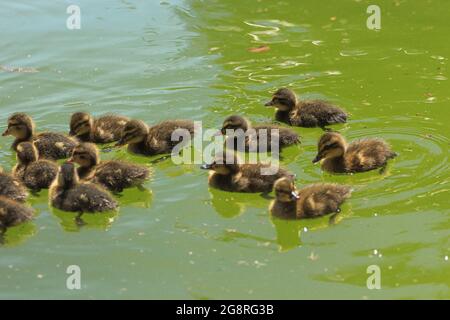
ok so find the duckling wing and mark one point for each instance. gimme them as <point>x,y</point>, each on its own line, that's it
<point>320,199</point>
<point>367,154</point>
<point>87,197</point>
<point>13,213</point>
<point>320,113</point>
<point>108,128</point>
<point>12,188</point>
<point>160,135</point>
<point>286,136</point>
<point>54,146</point>
<point>40,175</point>
<point>119,175</point>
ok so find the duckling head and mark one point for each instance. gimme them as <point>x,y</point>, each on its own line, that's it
<point>283,99</point>
<point>284,189</point>
<point>81,123</point>
<point>67,176</point>
<point>235,122</point>
<point>27,153</point>
<point>86,155</point>
<point>224,164</point>
<point>331,145</point>
<point>20,125</point>
<point>134,131</point>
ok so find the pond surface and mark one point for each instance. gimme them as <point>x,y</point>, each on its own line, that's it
<point>190,59</point>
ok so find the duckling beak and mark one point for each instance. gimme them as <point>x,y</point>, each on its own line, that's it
<point>295,195</point>
<point>6,133</point>
<point>269,104</point>
<point>206,167</point>
<point>317,159</point>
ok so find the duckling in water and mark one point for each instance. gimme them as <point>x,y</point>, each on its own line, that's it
<point>12,188</point>
<point>241,127</point>
<point>154,140</point>
<point>312,201</point>
<point>67,193</point>
<point>114,175</point>
<point>105,129</point>
<point>13,213</point>
<point>51,145</point>
<point>361,155</point>
<point>34,173</point>
<point>229,174</point>
<point>313,113</point>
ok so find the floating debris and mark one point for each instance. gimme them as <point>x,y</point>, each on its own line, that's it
<point>259,49</point>
<point>18,69</point>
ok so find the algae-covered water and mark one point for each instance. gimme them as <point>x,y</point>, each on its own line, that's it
<point>157,60</point>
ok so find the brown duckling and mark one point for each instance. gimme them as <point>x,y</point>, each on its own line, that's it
<point>313,113</point>
<point>50,145</point>
<point>13,213</point>
<point>359,156</point>
<point>104,129</point>
<point>67,193</point>
<point>242,126</point>
<point>154,140</point>
<point>229,174</point>
<point>12,188</point>
<point>34,173</point>
<point>114,175</point>
<point>312,201</point>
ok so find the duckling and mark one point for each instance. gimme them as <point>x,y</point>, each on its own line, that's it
<point>242,126</point>
<point>51,145</point>
<point>67,193</point>
<point>34,173</point>
<point>361,155</point>
<point>313,113</point>
<point>154,140</point>
<point>105,129</point>
<point>114,175</point>
<point>12,188</point>
<point>227,173</point>
<point>13,213</point>
<point>312,201</point>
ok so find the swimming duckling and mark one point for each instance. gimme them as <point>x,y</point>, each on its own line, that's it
<point>229,174</point>
<point>114,175</point>
<point>67,193</point>
<point>51,145</point>
<point>104,129</point>
<point>13,213</point>
<point>361,155</point>
<point>154,140</point>
<point>242,127</point>
<point>34,173</point>
<point>12,188</point>
<point>313,113</point>
<point>312,201</point>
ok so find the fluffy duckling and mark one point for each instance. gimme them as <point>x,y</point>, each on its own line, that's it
<point>227,173</point>
<point>67,193</point>
<point>359,156</point>
<point>104,129</point>
<point>50,145</point>
<point>12,188</point>
<point>312,201</point>
<point>34,173</point>
<point>13,213</point>
<point>285,137</point>
<point>313,113</point>
<point>154,140</point>
<point>114,175</point>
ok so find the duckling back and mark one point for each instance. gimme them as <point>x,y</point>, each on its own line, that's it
<point>54,146</point>
<point>108,128</point>
<point>13,213</point>
<point>320,199</point>
<point>315,113</point>
<point>83,197</point>
<point>160,136</point>
<point>367,154</point>
<point>119,175</point>
<point>37,175</point>
<point>12,188</point>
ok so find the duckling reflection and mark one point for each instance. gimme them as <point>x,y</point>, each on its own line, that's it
<point>231,205</point>
<point>51,145</point>
<point>314,113</point>
<point>75,222</point>
<point>17,235</point>
<point>13,213</point>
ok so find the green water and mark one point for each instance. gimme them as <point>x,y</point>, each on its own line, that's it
<point>189,59</point>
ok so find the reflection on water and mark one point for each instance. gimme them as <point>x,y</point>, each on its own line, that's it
<point>74,222</point>
<point>17,235</point>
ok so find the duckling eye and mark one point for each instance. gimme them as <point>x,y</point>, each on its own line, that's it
<point>330,146</point>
